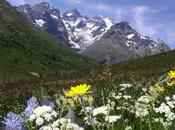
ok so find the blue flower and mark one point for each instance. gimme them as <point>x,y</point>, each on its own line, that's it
<point>31,106</point>
<point>48,103</point>
<point>13,122</point>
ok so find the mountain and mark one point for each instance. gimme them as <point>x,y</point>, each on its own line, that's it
<point>46,18</point>
<point>76,30</point>
<point>26,50</point>
<point>83,30</point>
<point>98,37</point>
<point>121,42</point>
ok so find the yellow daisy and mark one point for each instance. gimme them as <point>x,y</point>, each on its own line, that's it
<point>160,89</point>
<point>171,74</point>
<point>171,84</point>
<point>78,90</point>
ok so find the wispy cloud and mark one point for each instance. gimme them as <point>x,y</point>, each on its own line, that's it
<point>19,2</point>
<point>140,21</point>
<point>74,1</point>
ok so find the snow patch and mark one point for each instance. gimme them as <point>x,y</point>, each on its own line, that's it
<point>130,36</point>
<point>69,14</point>
<point>74,45</point>
<point>143,37</point>
<point>40,22</point>
<point>54,16</point>
<point>90,25</point>
<point>108,22</point>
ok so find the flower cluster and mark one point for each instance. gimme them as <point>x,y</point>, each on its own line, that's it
<point>124,107</point>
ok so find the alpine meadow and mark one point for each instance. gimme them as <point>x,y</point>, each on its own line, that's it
<point>87,65</point>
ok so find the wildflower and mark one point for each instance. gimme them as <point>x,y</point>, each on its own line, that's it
<point>39,121</point>
<point>142,112</point>
<point>112,119</point>
<point>13,122</point>
<point>167,98</point>
<point>31,105</point>
<point>171,74</point>
<point>49,103</point>
<point>160,89</point>
<point>100,110</point>
<point>32,117</point>
<point>126,85</point>
<point>72,126</point>
<point>39,111</point>
<point>171,84</point>
<point>128,128</point>
<point>78,90</point>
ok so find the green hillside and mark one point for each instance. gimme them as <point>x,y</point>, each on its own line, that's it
<point>24,49</point>
<point>148,66</point>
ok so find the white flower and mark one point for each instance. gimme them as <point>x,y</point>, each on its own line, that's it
<point>173,96</point>
<point>42,110</point>
<point>118,97</point>
<point>54,114</point>
<point>32,117</point>
<point>163,108</point>
<point>170,104</point>
<point>112,119</point>
<point>167,98</point>
<point>100,110</point>
<point>144,89</point>
<point>126,85</point>
<point>64,121</point>
<point>39,121</point>
<point>47,117</point>
<point>72,126</point>
<point>46,128</point>
<point>128,128</point>
<point>145,99</point>
<point>127,97</point>
<point>141,112</point>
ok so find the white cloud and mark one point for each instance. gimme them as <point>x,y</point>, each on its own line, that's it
<point>19,2</point>
<point>102,7</point>
<point>140,22</point>
<point>118,14</point>
<point>74,1</point>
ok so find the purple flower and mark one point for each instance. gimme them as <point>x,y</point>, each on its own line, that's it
<point>48,103</point>
<point>31,106</point>
<point>13,122</point>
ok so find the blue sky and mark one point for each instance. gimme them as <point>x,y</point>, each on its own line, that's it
<point>154,18</point>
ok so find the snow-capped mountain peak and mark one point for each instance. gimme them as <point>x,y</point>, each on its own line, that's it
<point>83,30</point>
<point>89,34</point>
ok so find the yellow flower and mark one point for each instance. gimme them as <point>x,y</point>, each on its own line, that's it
<point>160,89</point>
<point>171,84</point>
<point>171,74</point>
<point>78,90</point>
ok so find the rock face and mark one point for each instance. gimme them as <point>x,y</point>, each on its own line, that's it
<point>98,37</point>
<point>121,42</point>
<point>46,18</point>
<point>83,30</point>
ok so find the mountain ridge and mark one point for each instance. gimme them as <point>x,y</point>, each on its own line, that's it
<point>83,33</point>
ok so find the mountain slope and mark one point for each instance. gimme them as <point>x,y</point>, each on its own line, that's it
<point>121,42</point>
<point>25,49</point>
